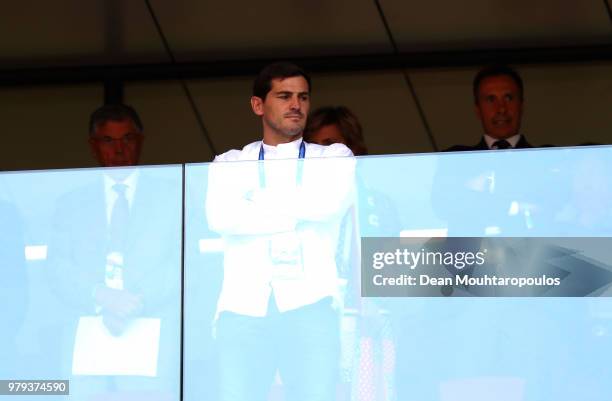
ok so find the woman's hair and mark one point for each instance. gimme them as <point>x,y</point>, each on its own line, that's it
<point>344,119</point>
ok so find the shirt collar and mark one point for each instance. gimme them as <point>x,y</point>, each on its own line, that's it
<point>130,181</point>
<point>513,140</point>
<point>289,150</point>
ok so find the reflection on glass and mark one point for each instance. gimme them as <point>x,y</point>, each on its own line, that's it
<point>422,348</point>
<point>277,309</point>
<point>103,250</point>
<point>91,278</point>
<point>13,285</point>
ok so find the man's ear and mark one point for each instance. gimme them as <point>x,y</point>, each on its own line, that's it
<point>257,105</point>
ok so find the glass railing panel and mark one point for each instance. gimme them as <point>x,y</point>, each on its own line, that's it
<point>91,266</point>
<point>464,346</point>
<point>242,233</point>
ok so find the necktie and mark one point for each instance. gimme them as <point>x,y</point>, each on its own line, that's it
<point>501,144</point>
<point>119,219</point>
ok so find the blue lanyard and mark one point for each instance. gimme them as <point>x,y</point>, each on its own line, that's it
<point>298,174</point>
<point>300,155</point>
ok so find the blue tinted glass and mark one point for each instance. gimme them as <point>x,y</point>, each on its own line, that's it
<point>244,242</point>
<point>259,228</point>
<point>91,261</point>
<point>493,348</point>
<point>203,278</point>
<point>91,266</point>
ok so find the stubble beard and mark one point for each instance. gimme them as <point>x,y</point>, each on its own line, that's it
<point>287,131</point>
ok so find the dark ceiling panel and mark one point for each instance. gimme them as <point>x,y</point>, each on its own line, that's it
<point>73,32</point>
<point>474,24</point>
<point>200,30</point>
<point>95,32</point>
<point>50,30</point>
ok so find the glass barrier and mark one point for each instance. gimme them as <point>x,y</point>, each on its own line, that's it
<point>298,230</point>
<point>475,348</point>
<point>277,256</point>
<point>91,269</point>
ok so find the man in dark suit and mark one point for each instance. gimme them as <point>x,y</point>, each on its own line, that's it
<point>475,195</point>
<point>498,102</point>
<point>116,255</point>
<point>478,195</point>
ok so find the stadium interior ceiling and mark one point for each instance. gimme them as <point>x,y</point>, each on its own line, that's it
<point>404,67</point>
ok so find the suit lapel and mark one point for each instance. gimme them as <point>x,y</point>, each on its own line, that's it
<point>523,144</point>
<point>96,211</point>
<point>482,145</point>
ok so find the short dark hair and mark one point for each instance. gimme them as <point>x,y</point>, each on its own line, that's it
<point>113,112</point>
<point>494,71</point>
<point>282,70</point>
<point>345,120</point>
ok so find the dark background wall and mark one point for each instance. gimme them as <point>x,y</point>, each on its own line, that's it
<point>364,54</point>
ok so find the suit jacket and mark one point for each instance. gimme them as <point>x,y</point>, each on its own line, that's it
<point>474,192</point>
<point>152,250</point>
<point>482,145</point>
<point>152,260</point>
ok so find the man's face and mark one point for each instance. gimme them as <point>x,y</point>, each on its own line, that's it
<point>499,106</point>
<point>284,109</point>
<point>116,143</point>
<point>327,135</point>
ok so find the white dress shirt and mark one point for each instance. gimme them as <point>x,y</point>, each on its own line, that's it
<point>110,195</point>
<point>113,276</point>
<point>513,140</point>
<point>294,211</point>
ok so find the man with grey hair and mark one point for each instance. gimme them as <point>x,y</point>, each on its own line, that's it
<point>115,259</point>
<point>116,135</point>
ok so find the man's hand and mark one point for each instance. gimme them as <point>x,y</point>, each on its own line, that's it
<point>122,303</point>
<point>118,307</point>
<point>115,325</point>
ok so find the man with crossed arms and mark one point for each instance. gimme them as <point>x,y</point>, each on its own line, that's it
<point>280,222</point>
